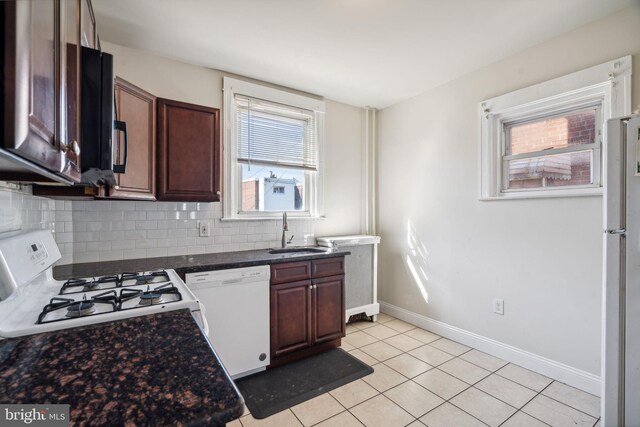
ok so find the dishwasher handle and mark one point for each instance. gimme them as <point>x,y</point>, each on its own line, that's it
<point>197,285</point>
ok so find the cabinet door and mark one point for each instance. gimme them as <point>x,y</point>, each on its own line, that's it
<point>69,120</point>
<point>290,317</point>
<point>328,308</point>
<point>138,109</point>
<point>188,152</point>
<point>35,87</point>
<point>32,56</point>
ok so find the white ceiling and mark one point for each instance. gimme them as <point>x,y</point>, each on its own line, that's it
<point>361,52</point>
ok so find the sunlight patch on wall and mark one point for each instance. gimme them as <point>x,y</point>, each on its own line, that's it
<point>416,260</point>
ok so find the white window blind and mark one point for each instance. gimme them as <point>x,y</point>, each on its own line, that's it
<point>275,134</point>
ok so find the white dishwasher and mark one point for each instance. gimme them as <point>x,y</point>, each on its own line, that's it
<point>235,303</point>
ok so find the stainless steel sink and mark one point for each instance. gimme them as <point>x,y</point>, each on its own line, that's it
<point>297,249</point>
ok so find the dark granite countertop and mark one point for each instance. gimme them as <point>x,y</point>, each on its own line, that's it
<point>149,370</point>
<point>188,263</point>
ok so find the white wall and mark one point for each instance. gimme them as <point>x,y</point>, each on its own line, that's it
<point>542,256</point>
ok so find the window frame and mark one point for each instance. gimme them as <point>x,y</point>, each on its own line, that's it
<point>232,185</point>
<point>606,86</point>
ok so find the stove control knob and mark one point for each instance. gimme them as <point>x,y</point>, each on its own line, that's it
<point>262,356</point>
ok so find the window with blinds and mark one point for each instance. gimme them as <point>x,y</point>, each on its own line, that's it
<point>272,151</point>
<point>274,134</point>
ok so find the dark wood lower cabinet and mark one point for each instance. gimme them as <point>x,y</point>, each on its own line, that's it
<point>290,317</point>
<point>329,309</point>
<point>307,316</point>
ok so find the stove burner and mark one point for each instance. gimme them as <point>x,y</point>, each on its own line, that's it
<point>75,309</point>
<point>81,308</point>
<point>150,297</point>
<point>145,278</point>
<point>86,285</point>
<point>90,286</point>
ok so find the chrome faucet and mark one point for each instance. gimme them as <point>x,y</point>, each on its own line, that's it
<point>285,228</point>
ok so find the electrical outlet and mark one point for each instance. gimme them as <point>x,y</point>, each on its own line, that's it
<point>203,229</point>
<point>498,306</point>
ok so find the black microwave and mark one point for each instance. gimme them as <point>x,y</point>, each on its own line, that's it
<point>97,119</point>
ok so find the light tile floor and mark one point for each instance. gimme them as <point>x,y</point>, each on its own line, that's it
<point>422,379</point>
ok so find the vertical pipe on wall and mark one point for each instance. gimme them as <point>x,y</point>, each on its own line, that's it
<point>369,179</point>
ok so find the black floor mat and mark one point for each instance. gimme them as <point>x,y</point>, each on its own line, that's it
<point>277,389</point>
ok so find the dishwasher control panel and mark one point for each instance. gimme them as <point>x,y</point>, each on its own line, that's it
<point>232,275</point>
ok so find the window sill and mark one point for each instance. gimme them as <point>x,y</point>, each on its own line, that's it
<point>545,194</point>
<point>271,218</point>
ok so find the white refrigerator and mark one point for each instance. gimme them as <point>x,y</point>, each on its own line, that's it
<point>620,398</point>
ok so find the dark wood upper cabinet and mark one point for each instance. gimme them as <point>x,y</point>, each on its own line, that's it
<point>40,67</point>
<point>188,152</point>
<point>137,108</point>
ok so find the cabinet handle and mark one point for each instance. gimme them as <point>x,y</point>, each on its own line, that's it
<point>74,146</point>
<point>122,126</point>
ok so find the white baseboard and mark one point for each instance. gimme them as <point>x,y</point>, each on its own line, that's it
<point>552,369</point>
<point>368,309</point>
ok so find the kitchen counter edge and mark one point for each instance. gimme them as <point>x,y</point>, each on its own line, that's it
<point>188,263</point>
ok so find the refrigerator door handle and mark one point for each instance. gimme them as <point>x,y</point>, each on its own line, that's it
<point>619,231</point>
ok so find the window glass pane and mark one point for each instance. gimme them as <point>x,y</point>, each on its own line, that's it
<point>552,132</point>
<point>267,188</point>
<point>559,170</point>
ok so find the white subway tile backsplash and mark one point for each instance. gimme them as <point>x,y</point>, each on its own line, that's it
<point>111,215</point>
<point>135,216</point>
<point>231,247</point>
<point>157,234</point>
<point>145,206</point>
<point>146,243</point>
<point>167,243</point>
<point>156,252</point>
<point>156,215</point>
<point>194,250</point>
<point>133,253</point>
<point>102,230</point>
<point>146,225</point>
<point>123,206</point>
<point>179,232</point>
<point>213,248</point>
<point>110,255</point>
<point>86,257</point>
<point>240,238</point>
<point>123,244</point>
<point>98,246</point>
<point>176,251</point>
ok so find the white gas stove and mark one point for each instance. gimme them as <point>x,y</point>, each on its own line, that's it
<point>32,301</point>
